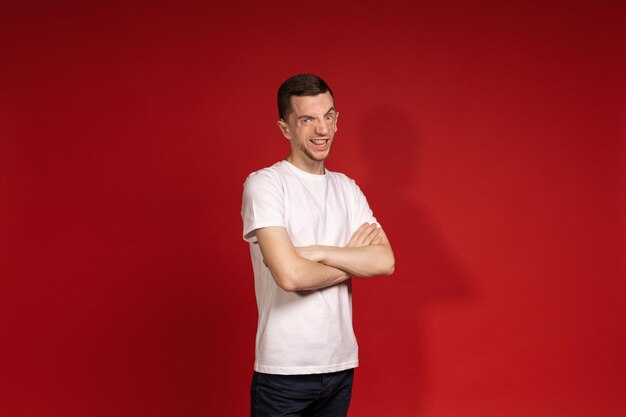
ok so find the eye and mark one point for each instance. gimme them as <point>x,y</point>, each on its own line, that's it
<point>329,117</point>
<point>306,121</point>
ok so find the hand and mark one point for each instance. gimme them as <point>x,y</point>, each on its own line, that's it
<point>367,234</point>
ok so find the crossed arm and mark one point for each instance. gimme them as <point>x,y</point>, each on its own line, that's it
<point>368,253</point>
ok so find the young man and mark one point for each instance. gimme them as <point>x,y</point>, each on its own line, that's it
<point>310,230</point>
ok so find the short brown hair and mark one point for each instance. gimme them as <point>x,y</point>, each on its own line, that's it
<point>299,85</point>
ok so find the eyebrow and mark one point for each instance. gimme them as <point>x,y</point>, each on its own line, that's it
<point>331,110</point>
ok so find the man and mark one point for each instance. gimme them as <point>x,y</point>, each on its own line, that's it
<point>310,230</point>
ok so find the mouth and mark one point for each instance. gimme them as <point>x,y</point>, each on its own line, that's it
<point>320,144</point>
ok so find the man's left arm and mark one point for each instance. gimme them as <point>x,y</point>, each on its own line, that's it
<point>362,261</point>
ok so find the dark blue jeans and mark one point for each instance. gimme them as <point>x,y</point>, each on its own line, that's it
<point>316,395</point>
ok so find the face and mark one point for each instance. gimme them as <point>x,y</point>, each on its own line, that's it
<point>310,129</point>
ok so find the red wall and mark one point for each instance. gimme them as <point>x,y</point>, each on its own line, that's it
<point>490,140</point>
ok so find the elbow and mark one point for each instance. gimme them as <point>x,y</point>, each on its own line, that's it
<point>287,282</point>
<point>287,285</point>
<point>387,269</point>
<point>287,276</point>
<point>390,266</point>
<point>382,269</point>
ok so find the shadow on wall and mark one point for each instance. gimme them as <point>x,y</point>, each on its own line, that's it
<point>390,314</point>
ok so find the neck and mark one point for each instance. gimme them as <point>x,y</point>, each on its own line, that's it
<point>311,167</point>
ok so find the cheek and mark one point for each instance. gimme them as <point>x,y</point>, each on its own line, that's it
<point>305,133</point>
<point>301,135</point>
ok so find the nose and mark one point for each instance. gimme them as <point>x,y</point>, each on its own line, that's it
<point>321,128</point>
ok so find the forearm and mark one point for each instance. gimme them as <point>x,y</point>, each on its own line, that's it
<point>290,271</point>
<point>308,275</point>
<point>365,261</point>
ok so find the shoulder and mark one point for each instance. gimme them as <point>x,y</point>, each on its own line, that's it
<point>267,176</point>
<point>342,179</point>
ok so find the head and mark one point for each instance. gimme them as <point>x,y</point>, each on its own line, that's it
<point>308,119</point>
<point>300,85</point>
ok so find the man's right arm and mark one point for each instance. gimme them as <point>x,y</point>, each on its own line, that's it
<point>291,271</point>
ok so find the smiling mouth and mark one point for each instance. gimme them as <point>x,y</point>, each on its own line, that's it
<point>319,141</point>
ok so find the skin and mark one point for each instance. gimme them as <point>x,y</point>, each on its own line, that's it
<point>310,129</point>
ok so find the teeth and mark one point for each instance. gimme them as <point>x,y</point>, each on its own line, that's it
<point>319,141</point>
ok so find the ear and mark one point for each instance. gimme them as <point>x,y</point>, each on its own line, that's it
<point>336,120</point>
<point>284,128</point>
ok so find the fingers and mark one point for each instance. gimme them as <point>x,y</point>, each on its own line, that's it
<point>357,236</point>
<point>371,236</point>
<point>352,241</point>
<point>365,235</point>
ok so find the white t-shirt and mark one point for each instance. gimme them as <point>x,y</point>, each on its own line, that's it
<point>304,332</point>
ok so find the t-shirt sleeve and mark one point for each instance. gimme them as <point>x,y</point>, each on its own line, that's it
<point>262,204</point>
<point>363,212</point>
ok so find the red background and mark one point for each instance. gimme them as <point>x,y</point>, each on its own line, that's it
<point>489,139</point>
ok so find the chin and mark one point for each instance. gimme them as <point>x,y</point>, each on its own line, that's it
<point>319,158</point>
